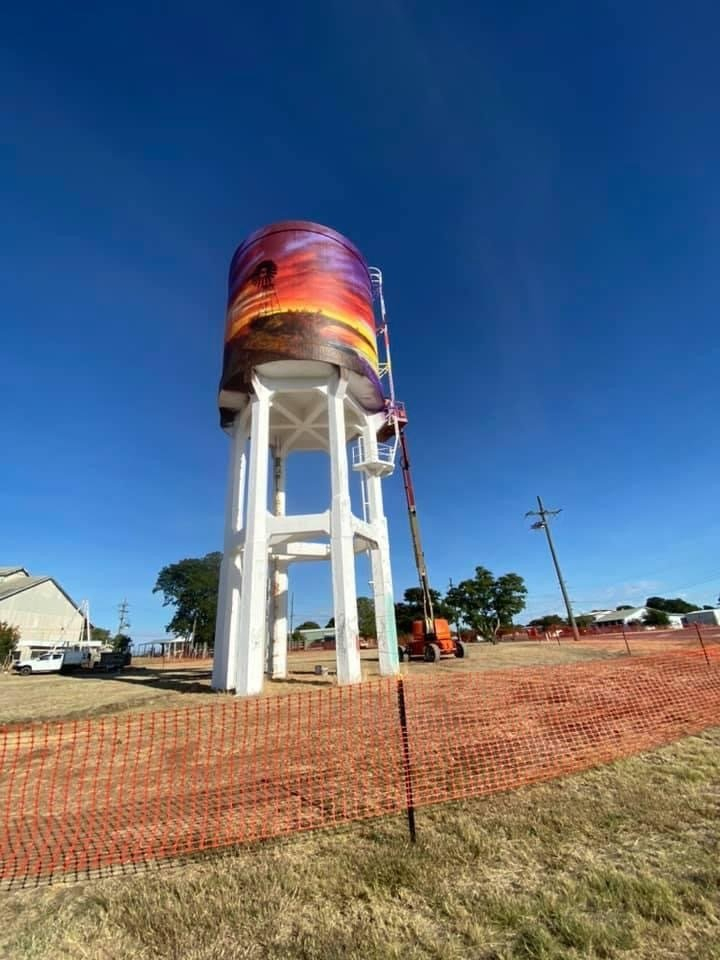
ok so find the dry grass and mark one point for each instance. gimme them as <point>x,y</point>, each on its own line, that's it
<point>26,699</point>
<point>621,862</point>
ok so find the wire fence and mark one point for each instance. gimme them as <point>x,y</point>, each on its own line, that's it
<point>106,794</point>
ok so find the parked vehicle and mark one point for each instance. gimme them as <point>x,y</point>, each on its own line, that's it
<point>46,663</point>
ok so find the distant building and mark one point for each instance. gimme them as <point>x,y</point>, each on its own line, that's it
<point>622,618</point>
<point>709,617</point>
<point>41,610</point>
<point>320,637</point>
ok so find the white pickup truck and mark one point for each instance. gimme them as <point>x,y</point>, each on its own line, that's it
<point>46,663</point>
<point>52,661</point>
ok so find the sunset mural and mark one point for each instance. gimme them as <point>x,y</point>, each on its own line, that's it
<point>298,291</point>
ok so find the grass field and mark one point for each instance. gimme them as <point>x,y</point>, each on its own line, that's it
<point>621,862</point>
<point>27,699</point>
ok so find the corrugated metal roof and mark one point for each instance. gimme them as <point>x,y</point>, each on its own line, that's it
<point>8,571</point>
<point>17,584</point>
<point>621,615</point>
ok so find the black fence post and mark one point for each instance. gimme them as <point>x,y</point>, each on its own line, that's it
<point>627,645</point>
<point>702,643</point>
<point>407,769</point>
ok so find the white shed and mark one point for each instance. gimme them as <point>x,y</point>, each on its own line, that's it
<point>709,617</point>
<point>41,610</point>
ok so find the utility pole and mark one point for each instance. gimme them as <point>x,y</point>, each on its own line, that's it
<point>544,524</point>
<point>457,611</point>
<point>124,622</point>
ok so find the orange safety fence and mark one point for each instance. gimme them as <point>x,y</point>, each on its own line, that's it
<point>103,794</point>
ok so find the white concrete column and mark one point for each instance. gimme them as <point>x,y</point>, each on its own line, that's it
<point>226,626</point>
<point>279,626</point>
<point>278,602</point>
<point>383,599</point>
<point>342,540</point>
<point>253,599</point>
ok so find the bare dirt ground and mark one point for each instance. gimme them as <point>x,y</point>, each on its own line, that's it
<point>165,685</point>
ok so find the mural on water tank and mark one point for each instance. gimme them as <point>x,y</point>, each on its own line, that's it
<point>298,291</point>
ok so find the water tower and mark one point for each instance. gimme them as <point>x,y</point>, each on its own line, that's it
<point>300,373</point>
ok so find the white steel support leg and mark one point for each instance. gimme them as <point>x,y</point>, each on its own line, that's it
<point>342,541</point>
<point>226,627</point>
<point>279,625</point>
<point>253,599</point>
<point>278,634</point>
<point>383,598</point>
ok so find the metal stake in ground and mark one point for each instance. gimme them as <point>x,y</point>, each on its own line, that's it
<point>702,643</point>
<point>543,524</point>
<point>407,769</point>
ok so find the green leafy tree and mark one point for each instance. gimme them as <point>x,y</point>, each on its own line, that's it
<point>584,620</point>
<point>625,606</point>
<point>672,605</point>
<point>191,587</point>
<point>101,635</point>
<point>121,643</point>
<point>366,618</point>
<point>656,618</point>
<point>411,608</point>
<point>9,638</point>
<point>487,603</point>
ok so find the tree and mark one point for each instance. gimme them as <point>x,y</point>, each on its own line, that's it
<point>101,635</point>
<point>191,587</point>
<point>9,638</point>
<point>121,643</point>
<point>584,620</point>
<point>674,605</point>
<point>366,618</point>
<point>625,606</point>
<point>656,618</point>
<point>551,620</point>
<point>411,608</point>
<point>487,603</point>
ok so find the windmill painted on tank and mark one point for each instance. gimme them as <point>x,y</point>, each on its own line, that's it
<point>301,372</point>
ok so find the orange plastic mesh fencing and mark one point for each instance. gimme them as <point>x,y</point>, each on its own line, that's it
<point>103,794</point>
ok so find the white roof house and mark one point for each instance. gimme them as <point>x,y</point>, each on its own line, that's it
<point>621,618</point>
<point>41,610</point>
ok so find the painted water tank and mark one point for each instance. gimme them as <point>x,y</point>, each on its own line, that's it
<point>299,293</point>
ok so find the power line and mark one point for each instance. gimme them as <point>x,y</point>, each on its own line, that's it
<point>544,524</point>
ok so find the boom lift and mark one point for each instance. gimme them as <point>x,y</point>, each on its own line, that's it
<point>431,637</point>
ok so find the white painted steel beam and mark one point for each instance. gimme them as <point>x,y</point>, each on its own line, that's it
<point>383,598</point>
<point>226,626</point>
<point>253,598</point>
<point>341,540</point>
<point>278,632</point>
<point>282,529</point>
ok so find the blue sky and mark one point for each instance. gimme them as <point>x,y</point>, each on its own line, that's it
<point>540,187</point>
